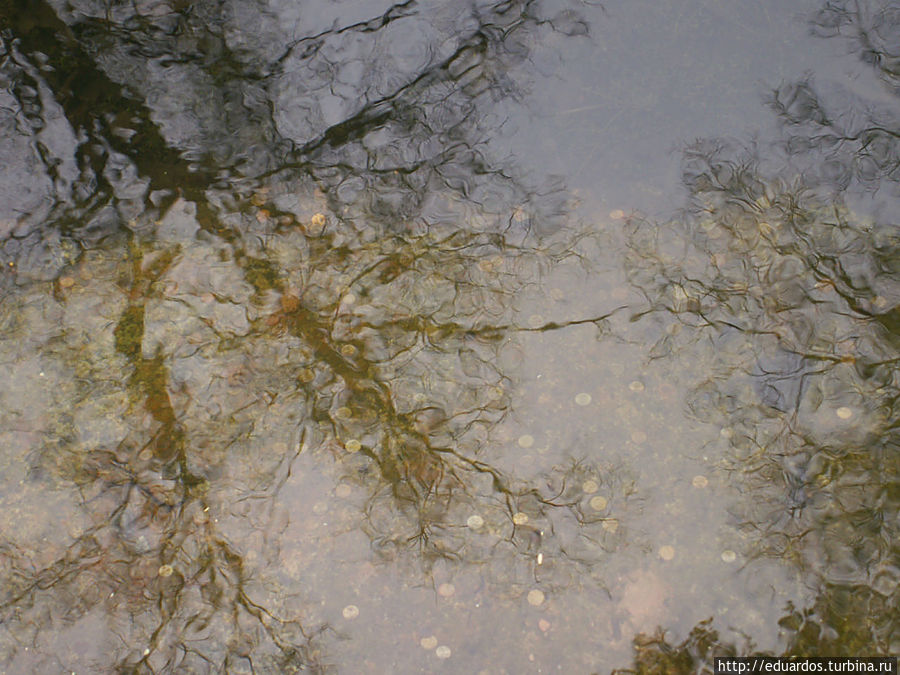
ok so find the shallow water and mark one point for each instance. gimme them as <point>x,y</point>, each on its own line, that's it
<point>491,338</point>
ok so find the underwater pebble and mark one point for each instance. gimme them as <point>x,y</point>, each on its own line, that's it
<point>429,642</point>
<point>349,299</point>
<point>729,556</point>
<point>348,350</point>
<point>520,518</point>
<point>446,590</point>
<point>350,612</point>
<point>598,503</point>
<point>617,214</point>
<point>306,375</point>
<point>611,525</point>
<point>318,219</point>
<point>66,282</point>
<point>535,321</point>
<point>535,597</point>
<point>352,445</point>
<point>666,552</point>
<point>844,413</point>
<point>638,436</point>
<point>475,522</point>
<point>583,399</point>
<point>544,625</point>
<point>700,481</point>
<point>343,413</point>
<point>319,508</point>
<point>526,441</point>
<point>442,652</point>
<point>636,385</point>
<point>166,570</point>
<point>343,490</point>
<point>726,432</point>
<point>589,487</point>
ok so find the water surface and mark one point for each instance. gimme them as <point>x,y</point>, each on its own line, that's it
<point>492,338</point>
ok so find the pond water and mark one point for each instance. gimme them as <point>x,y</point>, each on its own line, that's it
<point>518,337</point>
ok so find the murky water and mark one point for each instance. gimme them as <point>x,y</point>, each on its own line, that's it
<point>447,337</point>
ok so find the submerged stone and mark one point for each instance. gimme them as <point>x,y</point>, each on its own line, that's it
<point>589,487</point>
<point>598,503</point>
<point>535,597</point>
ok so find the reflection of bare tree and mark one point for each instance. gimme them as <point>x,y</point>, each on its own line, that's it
<point>655,654</point>
<point>397,364</point>
<point>851,149</point>
<point>334,287</point>
<point>793,301</point>
<point>830,627</point>
<point>870,27</point>
<point>839,138</point>
<point>797,298</point>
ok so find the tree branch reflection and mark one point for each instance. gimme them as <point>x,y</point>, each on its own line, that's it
<point>306,270</point>
<point>788,296</point>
